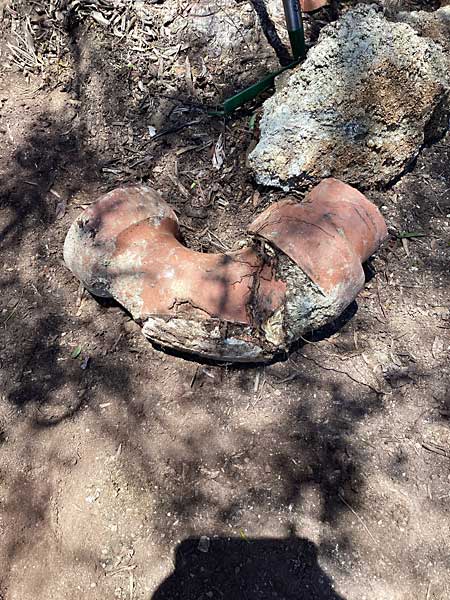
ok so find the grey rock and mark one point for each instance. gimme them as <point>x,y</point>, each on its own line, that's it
<point>368,96</point>
<point>219,29</point>
<point>204,543</point>
<point>434,25</point>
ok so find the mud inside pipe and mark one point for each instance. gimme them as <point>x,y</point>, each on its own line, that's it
<point>301,268</point>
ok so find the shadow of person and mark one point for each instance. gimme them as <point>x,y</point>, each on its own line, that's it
<point>246,569</point>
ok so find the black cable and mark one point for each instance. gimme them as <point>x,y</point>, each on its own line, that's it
<point>271,33</point>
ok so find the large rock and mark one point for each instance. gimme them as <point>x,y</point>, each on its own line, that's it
<point>370,93</point>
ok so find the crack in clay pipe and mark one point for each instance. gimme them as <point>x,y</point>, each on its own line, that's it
<point>246,305</point>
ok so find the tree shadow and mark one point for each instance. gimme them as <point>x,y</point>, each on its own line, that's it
<point>217,456</point>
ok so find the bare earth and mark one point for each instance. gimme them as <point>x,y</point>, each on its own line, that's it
<point>325,475</point>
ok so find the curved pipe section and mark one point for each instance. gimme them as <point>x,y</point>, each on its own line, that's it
<point>301,268</point>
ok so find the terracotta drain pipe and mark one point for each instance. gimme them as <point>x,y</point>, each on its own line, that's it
<point>300,270</point>
<point>312,5</point>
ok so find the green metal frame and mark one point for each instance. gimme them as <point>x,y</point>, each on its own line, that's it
<point>297,40</point>
<point>250,93</point>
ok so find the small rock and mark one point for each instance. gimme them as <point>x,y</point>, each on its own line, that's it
<point>219,28</point>
<point>204,543</point>
<point>131,327</point>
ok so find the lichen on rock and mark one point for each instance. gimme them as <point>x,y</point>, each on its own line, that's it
<point>434,25</point>
<point>358,108</point>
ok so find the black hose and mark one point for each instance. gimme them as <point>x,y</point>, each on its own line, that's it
<point>271,33</point>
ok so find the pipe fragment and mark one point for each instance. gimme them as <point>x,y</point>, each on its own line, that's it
<point>312,5</point>
<point>300,270</point>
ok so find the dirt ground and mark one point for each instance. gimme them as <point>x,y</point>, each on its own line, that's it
<point>132,473</point>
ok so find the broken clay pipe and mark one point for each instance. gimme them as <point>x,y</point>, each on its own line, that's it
<point>302,268</point>
<point>312,5</point>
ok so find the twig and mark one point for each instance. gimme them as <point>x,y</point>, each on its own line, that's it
<point>224,246</point>
<point>194,376</point>
<point>210,14</point>
<point>257,380</point>
<point>131,585</point>
<point>357,516</point>
<point>333,354</point>
<point>258,389</point>
<point>121,569</point>
<point>116,343</point>
<point>174,129</point>
<point>381,303</point>
<point>436,449</point>
<point>216,245</point>
<point>15,307</point>
<point>374,389</point>
<point>308,341</point>
<point>182,101</point>
<point>289,377</point>
<point>80,294</point>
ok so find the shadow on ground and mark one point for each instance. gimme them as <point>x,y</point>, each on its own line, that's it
<point>249,569</point>
<point>201,433</point>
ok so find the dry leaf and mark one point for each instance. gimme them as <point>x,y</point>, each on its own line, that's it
<point>256,198</point>
<point>61,209</point>
<point>218,154</point>
<point>99,18</point>
<point>437,348</point>
<point>188,75</point>
<point>405,246</point>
